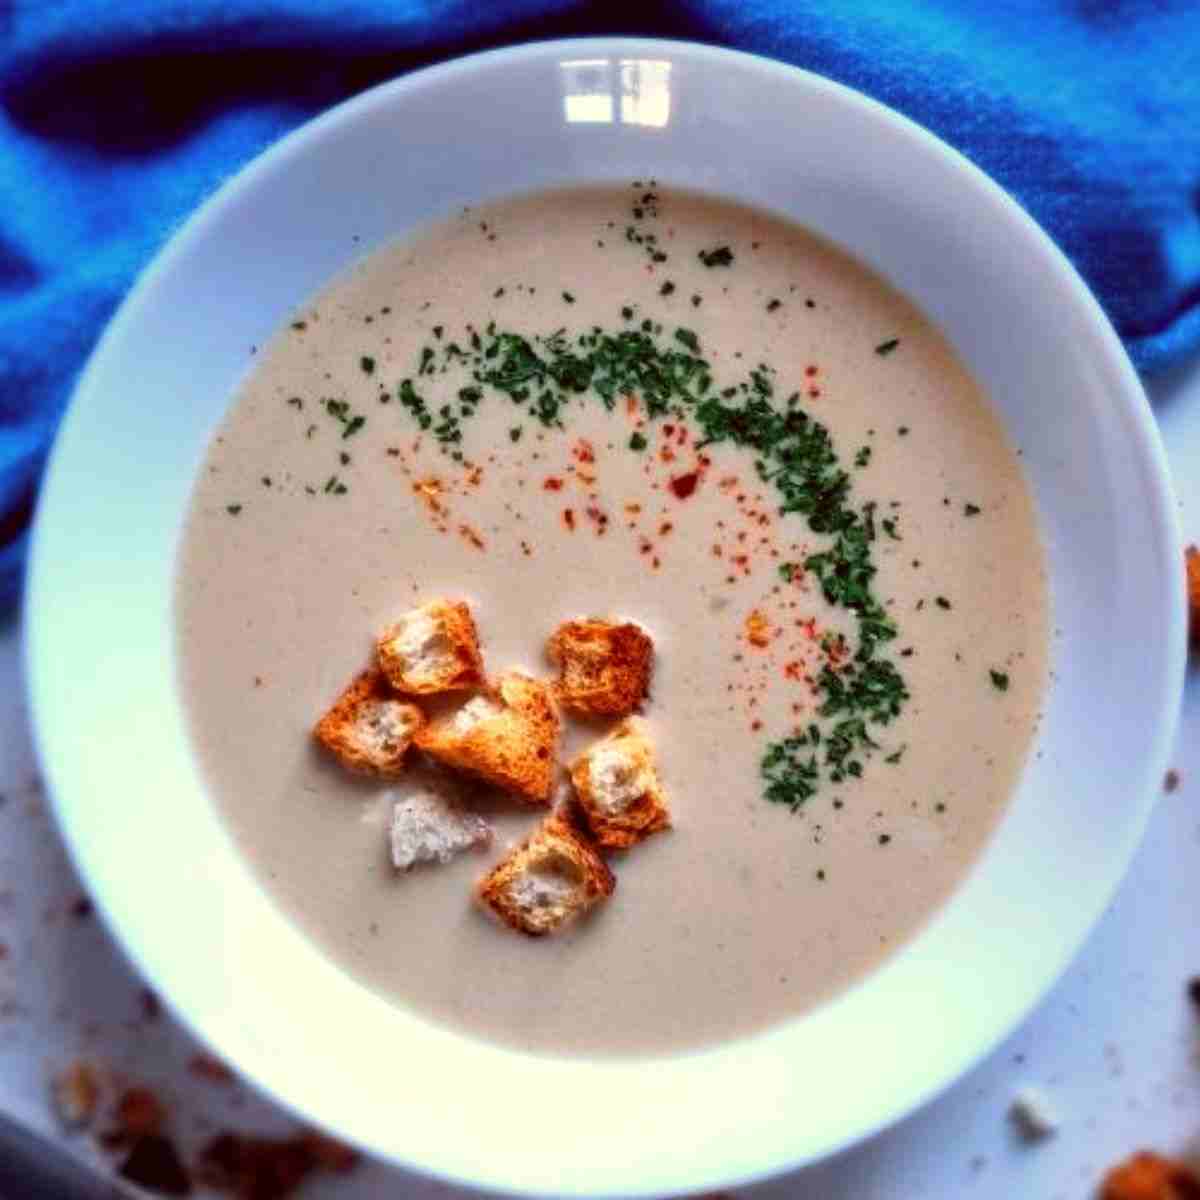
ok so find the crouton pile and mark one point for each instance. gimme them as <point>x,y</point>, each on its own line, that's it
<point>428,690</point>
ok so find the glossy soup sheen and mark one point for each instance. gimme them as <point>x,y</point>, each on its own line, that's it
<point>310,529</point>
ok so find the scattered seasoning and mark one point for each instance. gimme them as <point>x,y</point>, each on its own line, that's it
<point>568,297</point>
<point>684,485</point>
<point>821,874</point>
<point>999,680</point>
<point>82,908</point>
<point>896,756</point>
<point>697,300</point>
<point>903,432</point>
<point>1171,780</point>
<point>295,402</point>
<point>667,289</point>
<point>971,510</point>
<point>334,487</point>
<point>863,457</point>
<point>885,348</point>
<point>368,364</point>
<point>884,838</point>
<point>514,434</point>
<point>637,441</point>
<point>299,324</point>
<point>942,602</point>
<point>939,807</point>
<point>1194,990</point>
<point>233,509</point>
<point>772,305</point>
<point>719,256</point>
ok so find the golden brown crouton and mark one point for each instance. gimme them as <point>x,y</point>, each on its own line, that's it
<point>507,734</point>
<point>434,648</point>
<point>369,728</point>
<point>605,667</point>
<point>554,875</point>
<point>1192,560</point>
<point>619,789</point>
<point>1148,1176</point>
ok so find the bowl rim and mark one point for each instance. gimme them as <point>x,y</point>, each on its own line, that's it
<point>43,677</point>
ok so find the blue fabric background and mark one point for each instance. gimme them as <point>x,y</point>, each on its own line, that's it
<point>118,116</point>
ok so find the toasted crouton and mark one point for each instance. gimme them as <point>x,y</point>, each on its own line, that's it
<point>506,734</point>
<point>605,666</point>
<point>618,787</point>
<point>1149,1176</point>
<point>434,648</point>
<point>554,875</point>
<point>369,728</point>
<point>429,822</point>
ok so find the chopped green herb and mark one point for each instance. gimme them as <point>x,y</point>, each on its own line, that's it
<point>233,509</point>
<point>999,680</point>
<point>903,431</point>
<point>772,305</point>
<point>787,571</point>
<point>568,297</point>
<point>667,289</point>
<point>863,457</point>
<point>884,838</point>
<point>296,402</point>
<point>627,313</point>
<point>971,510</point>
<point>942,602</point>
<point>897,756</point>
<point>685,337</point>
<point>885,348</point>
<point>368,364</point>
<point>514,434</point>
<point>720,256</point>
<point>344,458</point>
<point>889,527</point>
<point>637,441</point>
<point>697,300</point>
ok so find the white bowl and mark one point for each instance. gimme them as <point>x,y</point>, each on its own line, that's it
<point>148,840</point>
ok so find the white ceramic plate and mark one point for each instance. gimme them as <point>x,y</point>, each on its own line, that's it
<point>148,840</point>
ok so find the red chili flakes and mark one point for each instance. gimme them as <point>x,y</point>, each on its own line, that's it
<point>474,476</point>
<point>666,454</point>
<point>668,430</point>
<point>633,509</point>
<point>684,485</point>
<point>568,517</point>
<point>717,552</point>
<point>583,451</point>
<point>656,562</point>
<point>471,537</point>
<point>430,491</point>
<point>758,629</point>
<point>552,484</point>
<point>598,517</point>
<point>755,725</point>
<point>526,549</point>
<point>254,1168</point>
<point>665,528</point>
<point>810,370</point>
<point>631,404</point>
<point>728,483</point>
<point>793,670</point>
<point>814,392</point>
<point>646,546</point>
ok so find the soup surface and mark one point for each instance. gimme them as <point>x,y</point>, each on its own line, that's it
<point>599,402</point>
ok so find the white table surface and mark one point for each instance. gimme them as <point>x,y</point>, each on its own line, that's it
<point>1115,1047</point>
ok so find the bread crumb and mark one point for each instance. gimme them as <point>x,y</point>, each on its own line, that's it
<point>76,1094</point>
<point>1150,1176</point>
<point>1171,780</point>
<point>1033,1115</point>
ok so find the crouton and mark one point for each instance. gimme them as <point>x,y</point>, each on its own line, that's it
<point>429,823</point>
<point>618,787</point>
<point>604,667</point>
<point>1149,1176</point>
<point>507,735</point>
<point>1191,559</point>
<point>369,728</point>
<point>434,648</point>
<point>555,875</point>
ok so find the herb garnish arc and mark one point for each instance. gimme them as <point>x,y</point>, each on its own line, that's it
<point>542,374</point>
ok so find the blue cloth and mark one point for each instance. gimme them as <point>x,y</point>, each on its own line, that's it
<point>117,117</point>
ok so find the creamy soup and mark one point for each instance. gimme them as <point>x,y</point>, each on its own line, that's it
<point>600,402</point>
